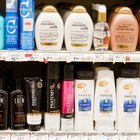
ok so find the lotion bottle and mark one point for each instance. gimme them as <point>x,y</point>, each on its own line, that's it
<point>84,97</point>
<point>124,30</point>
<point>128,94</point>
<point>49,30</point>
<point>105,101</point>
<point>78,30</point>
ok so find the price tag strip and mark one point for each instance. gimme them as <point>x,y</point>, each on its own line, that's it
<point>5,136</point>
<point>38,136</point>
<point>73,136</point>
<point>58,136</point>
<point>109,137</point>
<point>20,136</point>
<point>52,57</point>
<point>130,137</point>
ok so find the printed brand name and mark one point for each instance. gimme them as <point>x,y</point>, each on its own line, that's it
<point>130,96</point>
<point>68,102</point>
<point>106,95</point>
<point>11,26</point>
<point>52,98</point>
<point>19,100</point>
<point>34,98</point>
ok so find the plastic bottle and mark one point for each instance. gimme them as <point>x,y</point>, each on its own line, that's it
<point>49,30</point>
<point>1,32</point>
<point>84,96</point>
<point>78,32</point>
<point>68,94</point>
<point>128,93</point>
<point>27,24</point>
<point>105,101</point>
<point>124,30</point>
<point>101,36</point>
<point>11,25</point>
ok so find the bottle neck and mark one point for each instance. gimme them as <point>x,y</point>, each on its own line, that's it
<point>101,17</point>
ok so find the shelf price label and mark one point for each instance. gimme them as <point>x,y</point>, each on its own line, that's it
<point>39,137</point>
<point>50,57</point>
<point>98,58</point>
<point>4,136</point>
<point>130,137</point>
<point>109,137</point>
<point>74,136</point>
<point>15,57</point>
<point>20,136</point>
<point>59,136</point>
<point>73,57</point>
<point>119,58</point>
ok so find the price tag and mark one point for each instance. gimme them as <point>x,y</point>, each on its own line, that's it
<point>74,136</point>
<point>39,137</point>
<point>5,136</point>
<point>15,57</point>
<point>109,137</point>
<point>118,58</point>
<point>58,137</point>
<point>51,57</point>
<point>130,137</point>
<point>98,58</point>
<point>20,136</point>
<point>90,137</point>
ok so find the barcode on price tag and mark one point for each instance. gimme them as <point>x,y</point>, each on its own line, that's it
<point>4,136</point>
<point>98,58</point>
<point>118,58</point>
<point>74,136</point>
<point>20,137</point>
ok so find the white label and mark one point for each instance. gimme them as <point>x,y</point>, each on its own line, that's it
<point>28,24</point>
<point>130,137</point>
<point>20,137</point>
<point>67,124</point>
<point>39,137</point>
<point>34,119</point>
<point>5,137</point>
<point>48,33</point>
<point>79,34</point>
<point>74,137</point>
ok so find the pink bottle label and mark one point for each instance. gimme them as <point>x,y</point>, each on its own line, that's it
<point>68,97</point>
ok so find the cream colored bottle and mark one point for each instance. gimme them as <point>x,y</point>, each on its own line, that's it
<point>78,30</point>
<point>49,30</point>
<point>124,31</point>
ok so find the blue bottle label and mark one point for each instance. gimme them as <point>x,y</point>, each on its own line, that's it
<point>85,104</point>
<point>130,106</point>
<point>11,34</point>
<point>27,24</point>
<point>106,105</point>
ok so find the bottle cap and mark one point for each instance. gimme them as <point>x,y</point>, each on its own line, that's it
<point>79,9</point>
<point>124,10</point>
<point>129,73</point>
<point>49,8</point>
<point>85,74</point>
<point>68,72</point>
<point>53,71</point>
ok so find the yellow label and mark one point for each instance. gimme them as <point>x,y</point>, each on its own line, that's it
<point>48,44</point>
<point>123,46</point>
<point>79,45</point>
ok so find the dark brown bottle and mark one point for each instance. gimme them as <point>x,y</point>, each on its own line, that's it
<point>17,108</point>
<point>3,107</point>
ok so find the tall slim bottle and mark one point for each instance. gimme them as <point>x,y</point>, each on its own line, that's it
<point>3,107</point>
<point>1,32</point>
<point>53,96</point>
<point>17,108</point>
<point>67,100</point>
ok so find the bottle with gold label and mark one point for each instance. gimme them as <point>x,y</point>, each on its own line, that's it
<point>78,29</point>
<point>124,30</point>
<point>101,37</point>
<point>49,30</point>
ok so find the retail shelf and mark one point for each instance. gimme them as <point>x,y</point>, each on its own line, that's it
<point>67,56</point>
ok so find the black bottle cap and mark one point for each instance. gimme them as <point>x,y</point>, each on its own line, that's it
<point>68,72</point>
<point>53,71</point>
<point>85,74</point>
<point>129,73</point>
<point>18,83</point>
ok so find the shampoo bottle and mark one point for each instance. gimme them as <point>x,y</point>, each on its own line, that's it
<point>101,36</point>
<point>33,87</point>
<point>11,25</point>
<point>67,105</point>
<point>78,30</point>
<point>53,98</point>
<point>84,96</point>
<point>1,32</point>
<point>124,30</point>
<point>128,94</point>
<point>49,30</point>
<point>17,108</point>
<point>27,24</point>
<point>3,107</point>
<point>105,101</point>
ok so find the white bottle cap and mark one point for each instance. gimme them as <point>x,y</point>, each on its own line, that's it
<point>67,124</point>
<point>97,69</point>
<point>52,121</point>
<point>104,125</point>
